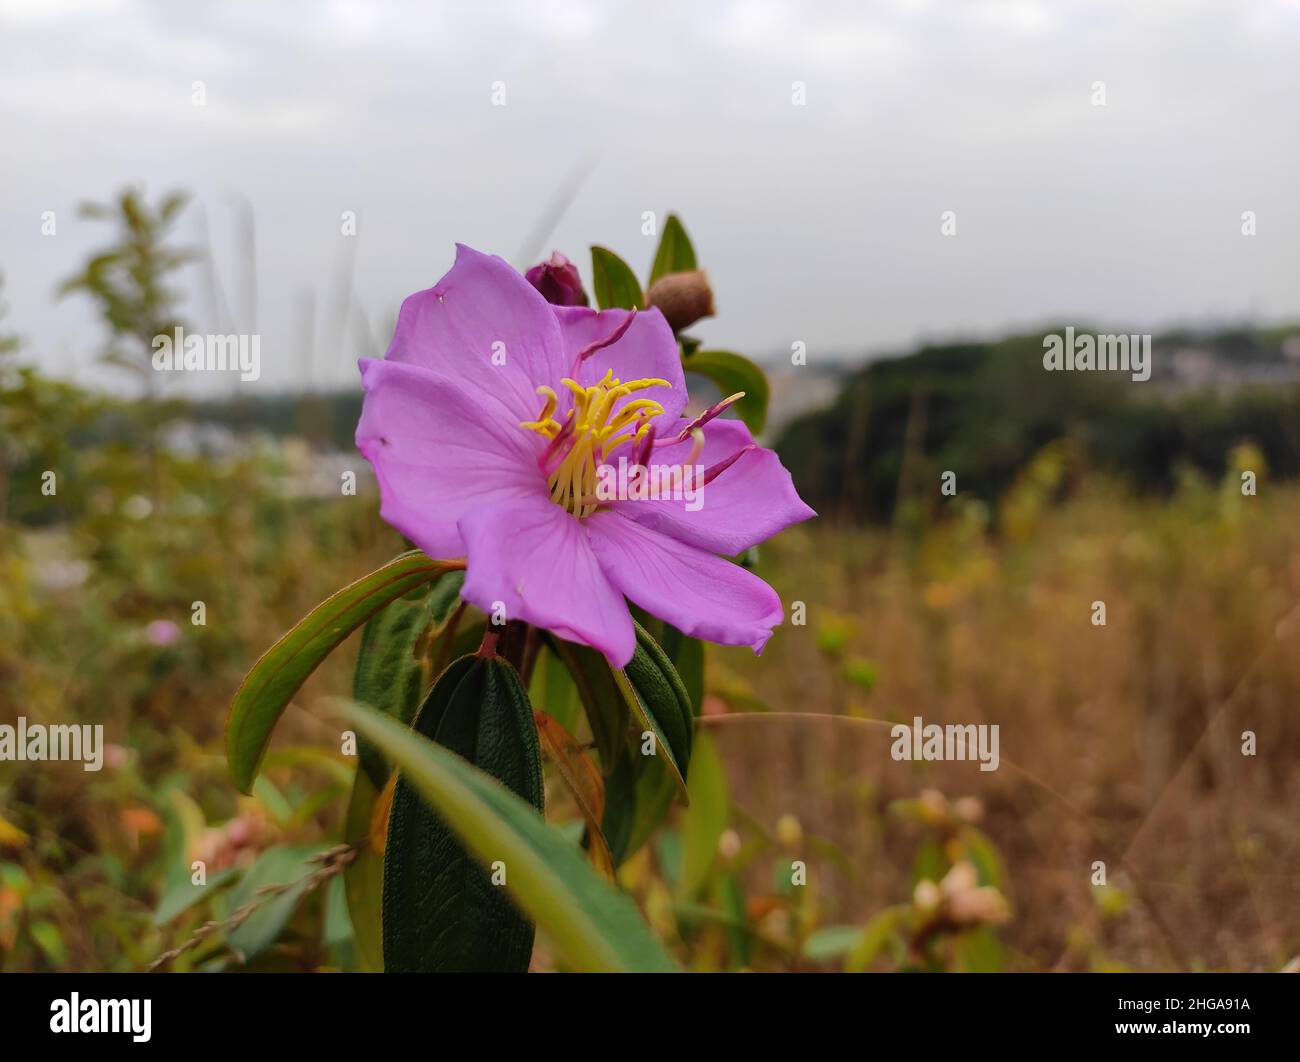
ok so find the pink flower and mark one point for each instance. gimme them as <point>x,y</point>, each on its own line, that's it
<point>162,633</point>
<point>558,281</point>
<point>486,424</point>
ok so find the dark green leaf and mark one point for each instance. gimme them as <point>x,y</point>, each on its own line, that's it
<point>606,708</point>
<point>390,674</point>
<point>637,797</point>
<point>442,911</point>
<point>659,701</point>
<point>590,925</point>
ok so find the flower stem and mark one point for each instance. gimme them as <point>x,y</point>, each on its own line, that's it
<point>488,647</point>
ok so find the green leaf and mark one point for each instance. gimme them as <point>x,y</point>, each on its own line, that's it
<point>363,878</point>
<point>706,819</point>
<point>605,706</point>
<point>290,865</point>
<point>658,700</point>
<point>615,283</point>
<point>552,689</point>
<point>831,942</point>
<point>874,937</point>
<point>729,895</point>
<point>443,599</point>
<point>277,676</point>
<point>50,940</point>
<point>640,790</point>
<point>590,925</point>
<point>390,675</point>
<point>637,797</point>
<point>442,911</point>
<point>185,894</point>
<point>732,373</point>
<point>675,253</point>
<point>687,655</point>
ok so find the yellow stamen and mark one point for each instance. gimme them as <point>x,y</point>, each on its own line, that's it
<point>596,431</point>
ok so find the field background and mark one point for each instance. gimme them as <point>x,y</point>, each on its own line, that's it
<point>894,203</point>
<point>1120,744</point>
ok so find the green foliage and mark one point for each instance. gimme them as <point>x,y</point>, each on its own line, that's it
<point>674,253</point>
<point>614,282</point>
<point>291,865</point>
<point>363,880</point>
<point>275,678</point>
<point>590,925</point>
<point>442,911</point>
<point>984,410</point>
<point>658,700</point>
<point>392,672</point>
<point>129,280</point>
<point>734,373</point>
<point>706,819</point>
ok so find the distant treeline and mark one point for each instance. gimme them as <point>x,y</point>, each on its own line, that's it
<point>982,410</point>
<point>327,419</point>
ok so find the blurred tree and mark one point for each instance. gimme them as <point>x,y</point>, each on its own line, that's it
<point>129,282</point>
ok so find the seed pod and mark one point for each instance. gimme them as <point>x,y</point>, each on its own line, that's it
<point>683,298</point>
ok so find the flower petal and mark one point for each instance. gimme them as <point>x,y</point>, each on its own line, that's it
<point>486,328</point>
<point>438,453</point>
<point>532,558</point>
<point>748,503</point>
<point>701,595</point>
<point>647,350</point>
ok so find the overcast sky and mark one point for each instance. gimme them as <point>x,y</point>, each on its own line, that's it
<point>818,223</point>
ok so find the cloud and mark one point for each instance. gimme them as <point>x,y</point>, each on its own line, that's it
<point>818,223</point>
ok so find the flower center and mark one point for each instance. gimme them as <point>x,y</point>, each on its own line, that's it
<point>591,431</point>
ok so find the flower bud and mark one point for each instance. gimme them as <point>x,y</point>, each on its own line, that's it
<point>926,896</point>
<point>683,298</point>
<point>558,280</point>
<point>789,831</point>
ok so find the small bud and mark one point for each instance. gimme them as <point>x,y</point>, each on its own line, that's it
<point>558,280</point>
<point>788,831</point>
<point>926,895</point>
<point>982,906</point>
<point>683,298</point>
<point>932,805</point>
